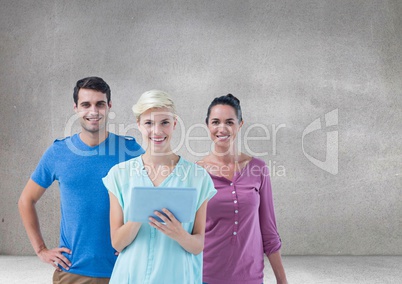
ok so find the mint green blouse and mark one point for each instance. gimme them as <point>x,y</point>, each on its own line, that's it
<point>153,257</point>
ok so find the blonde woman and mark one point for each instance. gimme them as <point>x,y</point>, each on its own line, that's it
<point>155,252</point>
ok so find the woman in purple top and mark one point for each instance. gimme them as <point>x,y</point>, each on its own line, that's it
<point>241,224</point>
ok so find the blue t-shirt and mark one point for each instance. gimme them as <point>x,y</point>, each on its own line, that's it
<point>84,201</point>
<point>153,257</point>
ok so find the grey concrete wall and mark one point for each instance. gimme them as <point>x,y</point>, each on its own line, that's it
<point>320,83</point>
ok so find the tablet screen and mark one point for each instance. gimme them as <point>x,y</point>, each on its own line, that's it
<point>145,200</point>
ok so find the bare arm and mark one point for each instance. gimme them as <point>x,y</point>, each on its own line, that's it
<point>193,243</point>
<point>26,205</point>
<point>121,234</point>
<point>276,263</point>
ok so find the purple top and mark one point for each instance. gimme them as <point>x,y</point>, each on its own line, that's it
<point>240,227</point>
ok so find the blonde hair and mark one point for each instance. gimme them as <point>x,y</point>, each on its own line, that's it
<point>153,99</point>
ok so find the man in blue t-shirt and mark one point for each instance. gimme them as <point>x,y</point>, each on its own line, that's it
<point>78,163</point>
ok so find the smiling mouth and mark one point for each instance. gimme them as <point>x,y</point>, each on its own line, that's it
<point>93,118</point>
<point>158,139</point>
<point>221,137</point>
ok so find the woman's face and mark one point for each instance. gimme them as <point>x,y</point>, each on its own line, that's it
<point>223,124</point>
<point>157,126</point>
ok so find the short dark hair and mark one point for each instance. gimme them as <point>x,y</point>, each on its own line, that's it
<point>229,100</point>
<point>93,83</point>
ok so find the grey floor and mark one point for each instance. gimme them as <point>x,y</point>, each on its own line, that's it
<point>299,269</point>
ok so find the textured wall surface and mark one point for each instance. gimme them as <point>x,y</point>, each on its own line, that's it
<point>320,84</point>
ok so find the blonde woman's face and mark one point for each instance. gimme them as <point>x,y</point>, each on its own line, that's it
<point>157,126</point>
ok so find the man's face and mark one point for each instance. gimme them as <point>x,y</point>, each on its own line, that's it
<point>93,109</point>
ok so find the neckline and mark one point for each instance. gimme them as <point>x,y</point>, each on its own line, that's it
<point>82,143</point>
<point>236,174</point>
<point>142,166</point>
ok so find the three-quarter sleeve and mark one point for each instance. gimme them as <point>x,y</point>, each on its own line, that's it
<point>270,236</point>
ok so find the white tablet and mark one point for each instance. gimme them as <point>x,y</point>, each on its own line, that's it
<point>182,202</point>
